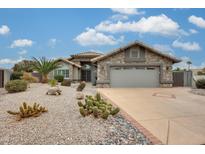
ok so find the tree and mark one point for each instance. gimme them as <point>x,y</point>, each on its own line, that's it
<point>44,67</point>
<point>23,66</point>
<point>189,64</point>
<point>177,69</point>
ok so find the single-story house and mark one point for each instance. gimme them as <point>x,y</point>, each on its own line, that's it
<point>133,65</point>
<point>78,67</point>
<point>4,76</point>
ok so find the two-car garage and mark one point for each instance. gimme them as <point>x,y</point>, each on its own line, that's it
<point>134,76</point>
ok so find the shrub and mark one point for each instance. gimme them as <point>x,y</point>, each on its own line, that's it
<point>200,73</point>
<point>59,78</point>
<point>26,111</point>
<point>53,83</point>
<point>97,107</point>
<point>28,77</point>
<point>16,86</point>
<point>16,76</point>
<point>200,84</point>
<point>81,86</point>
<point>66,82</point>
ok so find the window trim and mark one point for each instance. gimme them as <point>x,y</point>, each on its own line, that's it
<point>66,73</point>
<point>129,55</point>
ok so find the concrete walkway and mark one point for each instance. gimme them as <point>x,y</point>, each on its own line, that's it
<point>173,115</point>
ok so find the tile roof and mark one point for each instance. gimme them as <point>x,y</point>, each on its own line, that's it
<point>87,53</point>
<point>69,62</point>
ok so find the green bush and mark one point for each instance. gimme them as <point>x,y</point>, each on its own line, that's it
<point>53,82</point>
<point>81,86</point>
<point>16,86</point>
<point>200,84</point>
<point>16,76</point>
<point>66,82</point>
<point>59,78</point>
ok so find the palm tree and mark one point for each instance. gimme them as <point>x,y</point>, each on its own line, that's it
<point>189,64</point>
<point>44,67</point>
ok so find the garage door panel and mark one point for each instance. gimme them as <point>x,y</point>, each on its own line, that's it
<point>134,78</point>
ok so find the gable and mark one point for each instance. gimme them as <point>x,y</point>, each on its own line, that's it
<point>139,45</point>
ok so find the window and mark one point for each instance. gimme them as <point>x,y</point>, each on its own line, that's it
<point>64,72</point>
<point>135,54</point>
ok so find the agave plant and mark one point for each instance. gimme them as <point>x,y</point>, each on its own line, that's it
<point>44,67</point>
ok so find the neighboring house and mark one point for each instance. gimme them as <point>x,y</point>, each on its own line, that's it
<point>4,76</point>
<point>133,65</point>
<point>195,71</point>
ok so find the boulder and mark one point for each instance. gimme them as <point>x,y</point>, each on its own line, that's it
<point>54,91</point>
<point>79,95</point>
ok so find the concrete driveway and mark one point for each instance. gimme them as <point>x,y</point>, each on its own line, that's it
<point>173,115</point>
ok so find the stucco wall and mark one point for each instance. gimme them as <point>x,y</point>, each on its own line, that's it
<point>73,71</point>
<point>151,58</point>
<point>7,74</point>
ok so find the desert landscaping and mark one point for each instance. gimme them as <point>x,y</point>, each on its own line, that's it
<point>62,124</point>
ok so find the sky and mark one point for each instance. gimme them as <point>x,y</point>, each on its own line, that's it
<point>55,33</point>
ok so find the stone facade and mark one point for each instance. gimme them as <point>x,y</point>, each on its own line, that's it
<point>151,58</point>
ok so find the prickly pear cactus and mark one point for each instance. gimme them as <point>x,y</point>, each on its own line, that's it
<point>26,111</point>
<point>97,107</point>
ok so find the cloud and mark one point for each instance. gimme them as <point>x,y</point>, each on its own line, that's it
<point>117,17</point>
<point>92,37</point>
<point>21,43</point>
<point>10,61</point>
<point>188,46</point>
<point>160,24</point>
<point>165,48</point>
<point>198,21</point>
<point>128,11</point>
<point>52,42</point>
<point>193,31</point>
<point>4,29</point>
<point>22,52</point>
<point>183,64</point>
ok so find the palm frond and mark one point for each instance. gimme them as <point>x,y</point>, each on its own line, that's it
<point>44,66</point>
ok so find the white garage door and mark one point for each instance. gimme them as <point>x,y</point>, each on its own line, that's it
<point>134,77</point>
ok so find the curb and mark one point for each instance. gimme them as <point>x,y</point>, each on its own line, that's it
<point>153,139</point>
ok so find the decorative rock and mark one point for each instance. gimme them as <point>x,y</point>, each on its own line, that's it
<point>79,95</point>
<point>54,91</point>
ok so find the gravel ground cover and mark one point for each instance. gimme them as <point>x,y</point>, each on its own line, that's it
<point>198,91</point>
<point>63,123</point>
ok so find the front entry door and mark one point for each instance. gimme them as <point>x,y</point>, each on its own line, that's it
<point>86,75</point>
<point>86,72</point>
